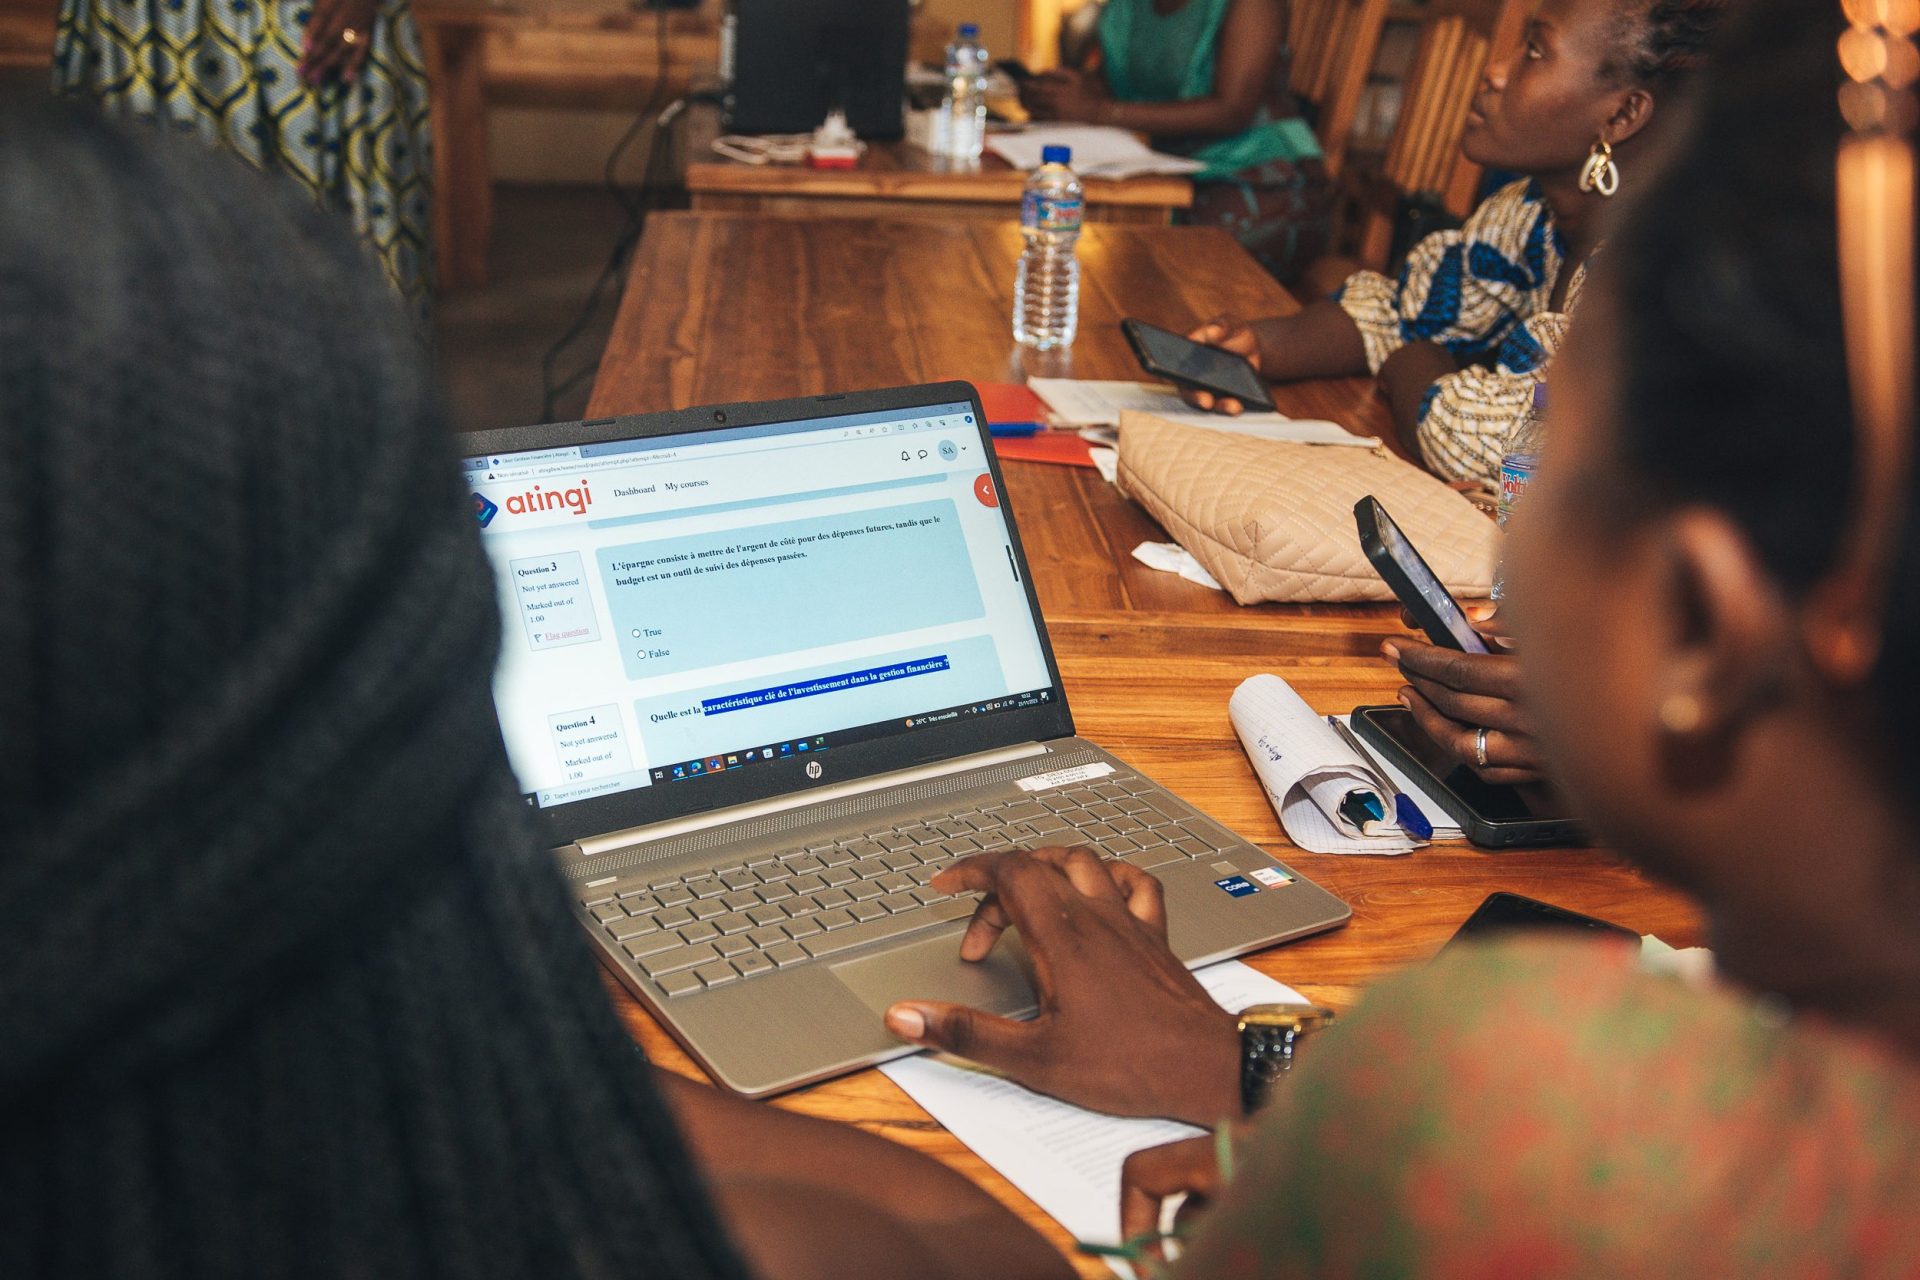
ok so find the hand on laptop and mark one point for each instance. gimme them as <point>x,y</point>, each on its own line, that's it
<point>1123,1027</point>
<point>1455,695</point>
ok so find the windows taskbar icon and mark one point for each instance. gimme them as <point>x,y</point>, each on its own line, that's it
<point>738,759</point>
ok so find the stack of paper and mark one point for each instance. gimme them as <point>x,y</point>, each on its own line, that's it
<point>1085,403</point>
<point>1098,151</point>
<point>1327,796</point>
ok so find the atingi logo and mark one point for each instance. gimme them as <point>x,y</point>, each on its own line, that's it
<point>536,499</point>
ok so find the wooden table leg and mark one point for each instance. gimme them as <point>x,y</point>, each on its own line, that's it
<point>462,180</point>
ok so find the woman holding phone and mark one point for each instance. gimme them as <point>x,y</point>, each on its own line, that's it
<point>1719,588</point>
<point>1462,336</point>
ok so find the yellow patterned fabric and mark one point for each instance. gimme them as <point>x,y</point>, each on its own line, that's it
<point>226,69</point>
<point>1484,293</point>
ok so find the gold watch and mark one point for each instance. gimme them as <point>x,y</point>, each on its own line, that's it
<point>1270,1035</point>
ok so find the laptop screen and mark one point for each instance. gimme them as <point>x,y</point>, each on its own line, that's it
<point>679,608</point>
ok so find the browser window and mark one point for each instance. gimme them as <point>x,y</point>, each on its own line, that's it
<point>684,606</point>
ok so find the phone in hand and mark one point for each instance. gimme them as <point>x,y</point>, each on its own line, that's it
<point>1491,816</point>
<point>1166,354</point>
<point>1418,587</point>
<point>1507,912</point>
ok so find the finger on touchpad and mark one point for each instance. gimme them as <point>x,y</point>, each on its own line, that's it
<point>933,970</point>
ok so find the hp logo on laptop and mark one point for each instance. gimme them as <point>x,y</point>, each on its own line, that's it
<point>813,769</point>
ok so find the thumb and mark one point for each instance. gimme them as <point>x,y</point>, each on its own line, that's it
<point>967,1033</point>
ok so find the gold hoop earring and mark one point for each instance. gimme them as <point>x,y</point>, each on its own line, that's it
<point>1600,173</point>
<point>1682,713</point>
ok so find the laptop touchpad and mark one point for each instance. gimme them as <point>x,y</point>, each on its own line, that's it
<point>933,970</point>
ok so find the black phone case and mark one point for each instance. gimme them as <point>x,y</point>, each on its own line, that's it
<point>1396,578</point>
<point>1140,353</point>
<point>1485,832</point>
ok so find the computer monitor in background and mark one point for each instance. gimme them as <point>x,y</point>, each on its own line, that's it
<point>796,60</point>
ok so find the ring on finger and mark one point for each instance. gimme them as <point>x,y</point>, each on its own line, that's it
<point>349,37</point>
<point>1480,747</point>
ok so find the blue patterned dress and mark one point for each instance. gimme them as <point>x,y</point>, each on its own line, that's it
<point>1484,293</point>
<point>226,69</point>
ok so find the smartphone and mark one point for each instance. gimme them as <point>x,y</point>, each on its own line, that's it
<point>1506,912</point>
<point>1492,817</point>
<point>1014,69</point>
<point>1166,354</point>
<point>1418,587</point>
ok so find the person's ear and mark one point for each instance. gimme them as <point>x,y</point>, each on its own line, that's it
<point>1630,115</point>
<point>1724,649</point>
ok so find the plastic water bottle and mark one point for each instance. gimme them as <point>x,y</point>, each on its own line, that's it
<point>964,112</point>
<point>1046,293</point>
<point>1516,470</point>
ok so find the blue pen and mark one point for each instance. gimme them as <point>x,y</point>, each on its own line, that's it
<point>1405,811</point>
<point>1014,430</point>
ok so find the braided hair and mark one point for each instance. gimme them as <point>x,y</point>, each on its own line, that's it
<point>287,988</point>
<point>1661,42</point>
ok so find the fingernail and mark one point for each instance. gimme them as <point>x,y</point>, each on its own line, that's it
<point>1391,649</point>
<point>1402,698</point>
<point>906,1022</point>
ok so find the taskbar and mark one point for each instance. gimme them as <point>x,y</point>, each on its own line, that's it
<point>764,753</point>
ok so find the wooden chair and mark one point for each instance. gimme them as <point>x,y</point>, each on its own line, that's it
<point>1458,39</point>
<point>1334,43</point>
<point>26,34</point>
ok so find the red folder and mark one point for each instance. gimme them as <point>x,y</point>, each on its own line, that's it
<point>1012,402</point>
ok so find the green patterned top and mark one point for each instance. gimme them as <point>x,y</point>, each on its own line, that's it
<point>1547,1108</point>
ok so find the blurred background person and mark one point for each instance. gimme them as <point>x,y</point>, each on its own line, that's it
<point>330,92</point>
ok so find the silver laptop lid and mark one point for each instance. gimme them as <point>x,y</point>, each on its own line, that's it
<point>718,605</point>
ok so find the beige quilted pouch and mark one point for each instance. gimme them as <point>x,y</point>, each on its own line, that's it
<point>1274,521</point>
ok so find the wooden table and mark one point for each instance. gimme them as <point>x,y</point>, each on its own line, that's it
<point>899,180</point>
<point>731,308</point>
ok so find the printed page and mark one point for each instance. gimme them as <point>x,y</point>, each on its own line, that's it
<point>1098,151</point>
<point>1093,403</point>
<point>1065,1158</point>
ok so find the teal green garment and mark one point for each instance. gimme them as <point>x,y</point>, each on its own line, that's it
<point>1155,58</point>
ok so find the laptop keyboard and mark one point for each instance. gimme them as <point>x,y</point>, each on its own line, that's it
<point>732,923</point>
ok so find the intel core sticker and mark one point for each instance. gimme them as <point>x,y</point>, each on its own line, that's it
<point>1237,886</point>
<point>1271,876</point>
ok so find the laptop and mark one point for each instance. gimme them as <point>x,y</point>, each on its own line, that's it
<point>765,670</point>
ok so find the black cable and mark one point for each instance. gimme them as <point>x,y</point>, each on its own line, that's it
<point>635,208</point>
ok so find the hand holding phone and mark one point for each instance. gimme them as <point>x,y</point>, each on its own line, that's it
<point>1190,364</point>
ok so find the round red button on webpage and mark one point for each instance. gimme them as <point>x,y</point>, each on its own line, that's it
<point>983,490</point>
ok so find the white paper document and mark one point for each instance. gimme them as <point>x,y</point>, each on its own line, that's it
<point>1064,1158</point>
<point>1098,151</point>
<point>1078,402</point>
<point>1325,793</point>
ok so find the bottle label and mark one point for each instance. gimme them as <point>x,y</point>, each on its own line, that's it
<point>1516,472</point>
<point>1050,213</point>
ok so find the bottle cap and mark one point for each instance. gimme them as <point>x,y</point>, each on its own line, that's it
<point>969,30</point>
<point>1056,155</point>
